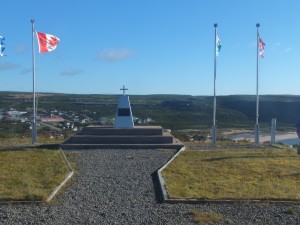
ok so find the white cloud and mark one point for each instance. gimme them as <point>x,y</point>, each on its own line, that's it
<point>26,71</point>
<point>71,72</point>
<point>21,48</point>
<point>113,55</point>
<point>275,46</point>
<point>9,66</point>
<point>287,49</point>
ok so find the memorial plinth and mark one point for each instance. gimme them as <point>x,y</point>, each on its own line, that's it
<point>104,137</point>
<point>123,135</point>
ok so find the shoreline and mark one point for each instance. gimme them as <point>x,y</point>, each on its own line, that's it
<point>265,137</point>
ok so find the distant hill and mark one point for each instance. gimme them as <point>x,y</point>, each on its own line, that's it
<point>170,111</point>
<point>284,108</point>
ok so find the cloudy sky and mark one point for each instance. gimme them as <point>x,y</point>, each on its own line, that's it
<point>152,47</point>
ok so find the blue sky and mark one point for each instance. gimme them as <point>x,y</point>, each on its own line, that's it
<point>152,47</point>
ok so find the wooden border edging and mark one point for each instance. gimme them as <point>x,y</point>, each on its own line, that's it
<point>53,192</point>
<point>166,198</point>
<point>161,179</point>
<point>70,174</point>
<point>230,201</point>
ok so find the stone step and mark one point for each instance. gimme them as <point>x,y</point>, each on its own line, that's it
<point>139,137</point>
<point>109,131</point>
<point>121,146</point>
<point>121,139</point>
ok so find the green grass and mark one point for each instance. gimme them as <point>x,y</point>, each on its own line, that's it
<point>206,217</point>
<point>234,174</point>
<point>30,174</point>
<point>25,142</point>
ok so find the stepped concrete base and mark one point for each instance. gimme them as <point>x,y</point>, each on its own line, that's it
<point>105,137</point>
<point>108,130</point>
<point>97,139</point>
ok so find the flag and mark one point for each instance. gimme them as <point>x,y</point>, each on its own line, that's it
<point>261,46</point>
<point>47,42</point>
<point>218,45</point>
<point>2,46</point>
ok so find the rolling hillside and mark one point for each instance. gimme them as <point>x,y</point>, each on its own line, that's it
<point>170,111</point>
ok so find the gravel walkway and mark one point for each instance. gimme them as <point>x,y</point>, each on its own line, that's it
<point>116,187</point>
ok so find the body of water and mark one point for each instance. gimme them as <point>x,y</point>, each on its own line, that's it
<point>289,142</point>
<point>242,136</point>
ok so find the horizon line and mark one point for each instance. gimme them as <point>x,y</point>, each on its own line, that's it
<point>221,95</point>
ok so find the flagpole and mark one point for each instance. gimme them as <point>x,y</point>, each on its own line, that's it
<point>33,84</point>
<point>257,95</point>
<point>214,129</point>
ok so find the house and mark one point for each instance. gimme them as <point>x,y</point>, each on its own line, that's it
<point>52,119</point>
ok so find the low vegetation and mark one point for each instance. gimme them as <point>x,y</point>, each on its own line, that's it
<point>206,217</point>
<point>23,142</point>
<point>235,174</point>
<point>170,111</point>
<point>30,174</point>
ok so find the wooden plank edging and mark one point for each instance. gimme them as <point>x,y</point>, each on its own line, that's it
<point>161,179</point>
<point>166,198</point>
<point>70,174</point>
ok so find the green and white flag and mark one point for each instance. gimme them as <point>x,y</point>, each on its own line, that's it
<point>218,45</point>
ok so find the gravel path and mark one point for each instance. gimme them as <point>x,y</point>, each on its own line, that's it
<point>116,187</point>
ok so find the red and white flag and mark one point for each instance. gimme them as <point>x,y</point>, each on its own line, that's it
<point>47,42</point>
<point>261,46</point>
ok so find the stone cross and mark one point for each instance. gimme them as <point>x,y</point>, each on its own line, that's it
<point>123,89</point>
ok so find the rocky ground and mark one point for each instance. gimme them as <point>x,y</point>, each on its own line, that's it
<point>116,187</point>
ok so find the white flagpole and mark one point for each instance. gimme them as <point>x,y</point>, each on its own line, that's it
<point>257,95</point>
<point>33,82</point>
<point>214,129</point>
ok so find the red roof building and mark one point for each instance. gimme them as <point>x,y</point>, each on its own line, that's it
<point>52,119</point>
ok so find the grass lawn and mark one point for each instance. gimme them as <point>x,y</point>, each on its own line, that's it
<point>22,142</point>
<point>30,174</point>
<point>234,174</point>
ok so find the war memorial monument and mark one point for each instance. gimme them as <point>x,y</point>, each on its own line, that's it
<point>123,135</point>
